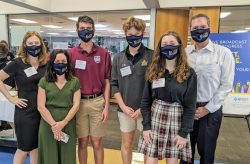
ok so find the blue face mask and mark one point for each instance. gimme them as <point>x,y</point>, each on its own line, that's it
<point>200,35</point>
<point>60,68</point>
<point>33,50</point>
<point>134,41</point>
<point>86,35</point>
<point>170,52</point>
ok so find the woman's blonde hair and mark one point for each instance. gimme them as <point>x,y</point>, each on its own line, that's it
<point>158,65</point>
<point>22,52</point>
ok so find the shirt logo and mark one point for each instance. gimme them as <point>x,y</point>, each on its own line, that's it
<point>97,59</point>
<point>144,63</point>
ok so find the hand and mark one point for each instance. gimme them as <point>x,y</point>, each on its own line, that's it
<point>147,135</point>
<point>105,114</point>
<point>201,112</point>
<point>20,103</point>
<point>180,142</point>
<point>129,111</point>
<point>136,114</point>
<point>58,126</point>
<point>58,136</point>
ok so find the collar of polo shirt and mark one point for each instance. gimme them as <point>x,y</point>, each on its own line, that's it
<point>94,49</point>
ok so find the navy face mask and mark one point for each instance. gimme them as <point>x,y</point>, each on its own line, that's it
<point>86,35</point>
<point>33,50</point>
<point>60,68</point>
<point>170,52</point>
<point>200,35</point>
<point>134,41</point>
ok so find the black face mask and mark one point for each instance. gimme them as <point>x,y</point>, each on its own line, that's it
<point>60,68</point>
<point>200,35</point>
<point>86,35</point>
<point>134,40</point>
<point>34,50</point>
<point>170,52</point>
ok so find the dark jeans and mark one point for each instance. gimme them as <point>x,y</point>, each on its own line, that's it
<point>205,134</point>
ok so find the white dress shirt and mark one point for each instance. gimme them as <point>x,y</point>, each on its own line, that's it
<point>214,66</point>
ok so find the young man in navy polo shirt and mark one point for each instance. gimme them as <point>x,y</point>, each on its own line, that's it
<point>92,66</point>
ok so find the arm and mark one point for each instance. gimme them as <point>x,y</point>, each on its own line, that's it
<point>41,100</point>
<point>17,101</point>
<point>226,83</point>
<point>75,107</point>
<point>189,105</point>
<point>115,89</point>
<point>146,104</point>
<point>105,112</point>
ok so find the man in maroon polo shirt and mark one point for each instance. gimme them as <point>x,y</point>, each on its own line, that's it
<point>92,66</point>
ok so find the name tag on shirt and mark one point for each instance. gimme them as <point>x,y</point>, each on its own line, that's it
<point>80,64</point>
<point>30,71</point>
<point>126,71</point>
<point>158,83</point>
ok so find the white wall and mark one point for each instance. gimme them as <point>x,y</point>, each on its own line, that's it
<point>201,3</point>
<point>6,8</point>
<point>42,4</point>
<point>3,28</point>
<point>95,5</point>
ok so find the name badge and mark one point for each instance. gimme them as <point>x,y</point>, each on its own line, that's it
<point>159,83</point>
<point>30,71</point>
<point>80,64</point>
<point>126,71</point>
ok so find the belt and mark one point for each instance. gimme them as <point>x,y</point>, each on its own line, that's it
<point>200,104</point>
<point>90,96</point>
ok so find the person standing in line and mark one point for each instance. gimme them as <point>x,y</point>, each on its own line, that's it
<point>127,83</point>
<point>168,103</point>
<point>214,65</point>
<point>27,69</point>
<point>92,65</point>
<point>58,101</point>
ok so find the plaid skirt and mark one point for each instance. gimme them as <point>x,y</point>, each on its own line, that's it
<point>165,124</point>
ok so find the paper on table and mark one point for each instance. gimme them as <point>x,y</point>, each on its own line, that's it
<point>7,109</point>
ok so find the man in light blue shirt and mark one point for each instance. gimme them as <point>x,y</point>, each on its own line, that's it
<point>214,66</point>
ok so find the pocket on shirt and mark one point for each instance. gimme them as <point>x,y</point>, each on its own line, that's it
<point>210,69</point>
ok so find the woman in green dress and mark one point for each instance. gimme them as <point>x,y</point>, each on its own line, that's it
<point>58,101</point>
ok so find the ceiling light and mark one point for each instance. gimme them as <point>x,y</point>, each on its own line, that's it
<point>225,14</point>
<point>240,31</point>
<point>41,31</point>
<point>52,26</point>
<point>143,17</point>
<point>147,24</point>
<point>116,30</point>
<point>73,18</point>
<point>100,26</point>
<point>52,33</point>
<point>24,20</point>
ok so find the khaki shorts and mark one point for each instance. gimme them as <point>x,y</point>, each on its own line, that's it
<point>127,124</point>
<point>89,118</point>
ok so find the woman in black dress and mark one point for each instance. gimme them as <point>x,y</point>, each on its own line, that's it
<point>27,70</point>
